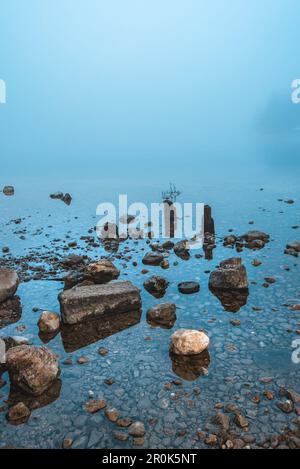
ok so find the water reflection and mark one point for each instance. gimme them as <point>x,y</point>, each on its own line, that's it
<point>232,300</point>
<point>10,312</point>
<point>209,233</point>
<point>35,402</point>
<point>81,335</point>
<point>190,367</point>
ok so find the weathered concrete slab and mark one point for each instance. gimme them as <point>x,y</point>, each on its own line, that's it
<point>91,301</point>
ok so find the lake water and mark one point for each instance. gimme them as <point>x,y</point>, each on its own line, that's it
<point>138,356</point>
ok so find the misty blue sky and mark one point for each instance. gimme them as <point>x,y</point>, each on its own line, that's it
<point>135,88</point>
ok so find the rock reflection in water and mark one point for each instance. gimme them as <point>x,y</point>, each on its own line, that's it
<point>190,367</point>
<point>35,402</point>
<point>232,300</point>
<point>81,335</point>
<point>10,312</point>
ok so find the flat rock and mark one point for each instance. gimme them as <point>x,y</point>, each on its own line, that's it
<point>9,282</point>
<point>189,288</point>
<point>80,303</point>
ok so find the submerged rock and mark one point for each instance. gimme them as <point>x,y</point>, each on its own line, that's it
<point>57,195</point>
<point>33,369</point>
<point>156,286</point>
<point>102,271</point>
<point>9,282</point>
<point>163,315</point>
<point>188,342</point>
<point>137,429</point>
<point>254,235</point>
<point>230,275</point>
<point>87,302</point>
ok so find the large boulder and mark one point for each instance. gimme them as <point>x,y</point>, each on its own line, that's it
<point>32,369</point>
<point>156,286</point>
<point>102,271</point>
<point>92,301</point>
<point>9,282</point>
<point>163,315</point>
<point>188,342</point>
<point>230,275</point>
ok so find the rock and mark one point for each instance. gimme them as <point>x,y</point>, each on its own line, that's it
<point>230,275</point>
<point>138,442</point>
<point>254,235</point>
<point>100,272</point>
<point>103,351</point>
<point>189,288</point>
<point>222,420</point>
<point>295,245</point>
<point>256,263</point>
<point>112,414</point>
<point>241,421</point>
<point>121,436</point>
<point>181,249</point>
<point>137,429</point>
<point>49,322</point>
<point>188,342</point>
<point>32,369</point>
<point>270,280</point>
<point>293,248</point>
<point>9,282</point>
<point>18,414</point>
<point>162,315</point>
<point>67,443</point>
<point>287,406</point>
<point>292,395</point>
<point>57,195</point>
<point>153,258</point>
<point>83,360</point>
<point>8,190</point>
<point>124,422</point>
<point>230,240</point>
<point>211,440</point>
<point>156,286</point>
<point>92,301</point>
<point>94,406</point>
<point>67,199</point>
<point>165,264</point>
<point>168,245</point>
